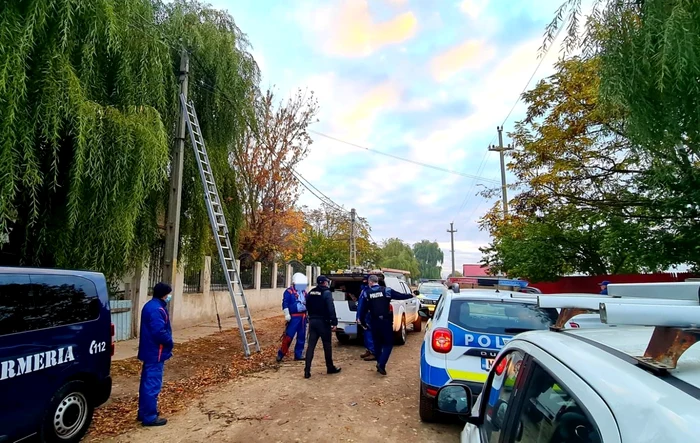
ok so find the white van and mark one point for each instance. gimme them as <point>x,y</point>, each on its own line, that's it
<point>346,289</point>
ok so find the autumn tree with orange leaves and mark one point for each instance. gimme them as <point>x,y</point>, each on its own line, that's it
<point>268,189</point>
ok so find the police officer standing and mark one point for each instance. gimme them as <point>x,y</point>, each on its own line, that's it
<point>382,319</point>
<point>322,321</point>
<point>370,353</point>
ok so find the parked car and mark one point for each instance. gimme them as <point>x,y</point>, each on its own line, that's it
<point>607,397</point>
<point>468,330</point>
<point>56,346</point>
<point>428,294</point>
<point>346,292</point>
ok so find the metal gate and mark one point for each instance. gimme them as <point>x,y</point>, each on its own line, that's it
<point>120,306</point>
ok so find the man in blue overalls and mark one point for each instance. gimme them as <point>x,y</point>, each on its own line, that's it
<point>369,354</point>
<point>294,307</point>
<point>379,306</point>
<point>155,347</point>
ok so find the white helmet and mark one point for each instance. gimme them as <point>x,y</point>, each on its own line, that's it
<point>299,279</point>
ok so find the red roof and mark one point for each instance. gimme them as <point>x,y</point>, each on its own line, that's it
<point>474,270</point>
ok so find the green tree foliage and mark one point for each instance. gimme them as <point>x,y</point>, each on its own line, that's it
<point>326,239</point>
<point>396,254</point>
<point>649,68</point>
<point>430,258</point>
<point>580,208</point>
<point>88,94</point>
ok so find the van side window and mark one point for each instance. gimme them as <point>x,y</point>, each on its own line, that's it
<point>15,302</point>
<point>60,300</point>
<point>550,414</point>
<point>500,394</point>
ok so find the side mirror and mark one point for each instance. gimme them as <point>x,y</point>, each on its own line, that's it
<point>454,399</point>
<point>416,292</point>
<point>455,288</point>
<point>422,314</point>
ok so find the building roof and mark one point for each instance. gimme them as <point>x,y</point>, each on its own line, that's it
<point>474,270</point>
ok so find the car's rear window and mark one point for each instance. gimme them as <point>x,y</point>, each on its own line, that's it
<point>500,318</point>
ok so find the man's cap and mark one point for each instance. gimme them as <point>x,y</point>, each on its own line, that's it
<point>604,283</point>
<point>322,279</point>
<point>160,290</point>
<point>373,279</point>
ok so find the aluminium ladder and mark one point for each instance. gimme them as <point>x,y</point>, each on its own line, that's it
<point>220,231</point>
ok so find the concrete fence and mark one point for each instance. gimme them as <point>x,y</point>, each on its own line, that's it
<point>193,308</point>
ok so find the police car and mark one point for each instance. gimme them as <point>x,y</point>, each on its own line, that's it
<point>56,344</point>
<point>467,331</point>
<point>637,383</point>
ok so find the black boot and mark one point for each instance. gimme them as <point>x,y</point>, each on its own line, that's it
<point>333,370</point>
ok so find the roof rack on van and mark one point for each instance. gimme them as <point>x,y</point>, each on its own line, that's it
<point>668,307</point>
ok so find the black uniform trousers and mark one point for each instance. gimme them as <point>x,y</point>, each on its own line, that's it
<point>383,336</point>
<point>319,328</point>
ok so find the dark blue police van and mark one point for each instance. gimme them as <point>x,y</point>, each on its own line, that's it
<point>56,347</point>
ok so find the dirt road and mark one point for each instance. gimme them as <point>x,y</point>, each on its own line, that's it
<point>279,405</point>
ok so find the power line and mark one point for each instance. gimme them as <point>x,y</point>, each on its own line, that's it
<point>425,165</point>
<point>517,100</point>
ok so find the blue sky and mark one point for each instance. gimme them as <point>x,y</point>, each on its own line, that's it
<point>427,80</point>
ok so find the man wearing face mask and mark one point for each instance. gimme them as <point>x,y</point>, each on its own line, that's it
<point>294,307</point>
<point>323,322</point>
<point>155,347</point>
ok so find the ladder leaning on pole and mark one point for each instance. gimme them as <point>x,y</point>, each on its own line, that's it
<point>220,231</point>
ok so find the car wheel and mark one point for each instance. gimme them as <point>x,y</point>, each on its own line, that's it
<point>401,333</point>
<point>418,324</point>
<point>426,408</point>
<point>69,414</point>
<point>344,339</point>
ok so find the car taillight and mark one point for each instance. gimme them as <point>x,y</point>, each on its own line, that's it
<point>442,340</point>
<point>574,324</point>
<point>112,330</point>
<point>501,366</point>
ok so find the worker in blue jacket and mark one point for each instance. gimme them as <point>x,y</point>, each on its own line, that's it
<point>294,307</point>
<point>382,318</point>
<point>369,354</point>
<point>155,347</point>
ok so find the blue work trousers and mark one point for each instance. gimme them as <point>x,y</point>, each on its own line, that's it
<point>296,327</point>
<point>151,384</point>
<point>383,335</point>
<point>367,335</point>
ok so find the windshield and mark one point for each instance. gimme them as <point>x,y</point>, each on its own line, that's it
<point>500,318</point>
<point>431,289</point>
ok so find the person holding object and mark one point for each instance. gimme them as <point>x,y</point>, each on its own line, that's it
<point>294,307</point>
<point>382,318</point>
<point>322,322</point>
<point>155,347</point>
<point>369,354</point>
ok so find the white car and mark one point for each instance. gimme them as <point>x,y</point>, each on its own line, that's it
<point>468,330</point>
<point>346,292</point>
<point>633,383</point>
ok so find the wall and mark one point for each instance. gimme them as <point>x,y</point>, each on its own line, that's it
<point>588,284</point>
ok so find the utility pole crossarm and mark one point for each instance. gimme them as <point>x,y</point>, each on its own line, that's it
<point>501,151</point>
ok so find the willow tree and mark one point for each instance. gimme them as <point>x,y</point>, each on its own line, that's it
<point>649,68</point>
<point>88,104</point>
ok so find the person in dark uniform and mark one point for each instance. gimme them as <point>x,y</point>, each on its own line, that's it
<point>382,318</point>
<point>322,322</point>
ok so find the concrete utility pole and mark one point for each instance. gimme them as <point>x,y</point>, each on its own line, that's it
<point>501,150</point>
<point>353,240</point>
<point>452,240</point>
<point>172,229</point>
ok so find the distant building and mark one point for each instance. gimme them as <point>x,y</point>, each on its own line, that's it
<point>474,270</point>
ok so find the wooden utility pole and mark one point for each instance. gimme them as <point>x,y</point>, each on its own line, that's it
<point>501,150</point>
<point>452,241</point>
<point>172,228</point>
